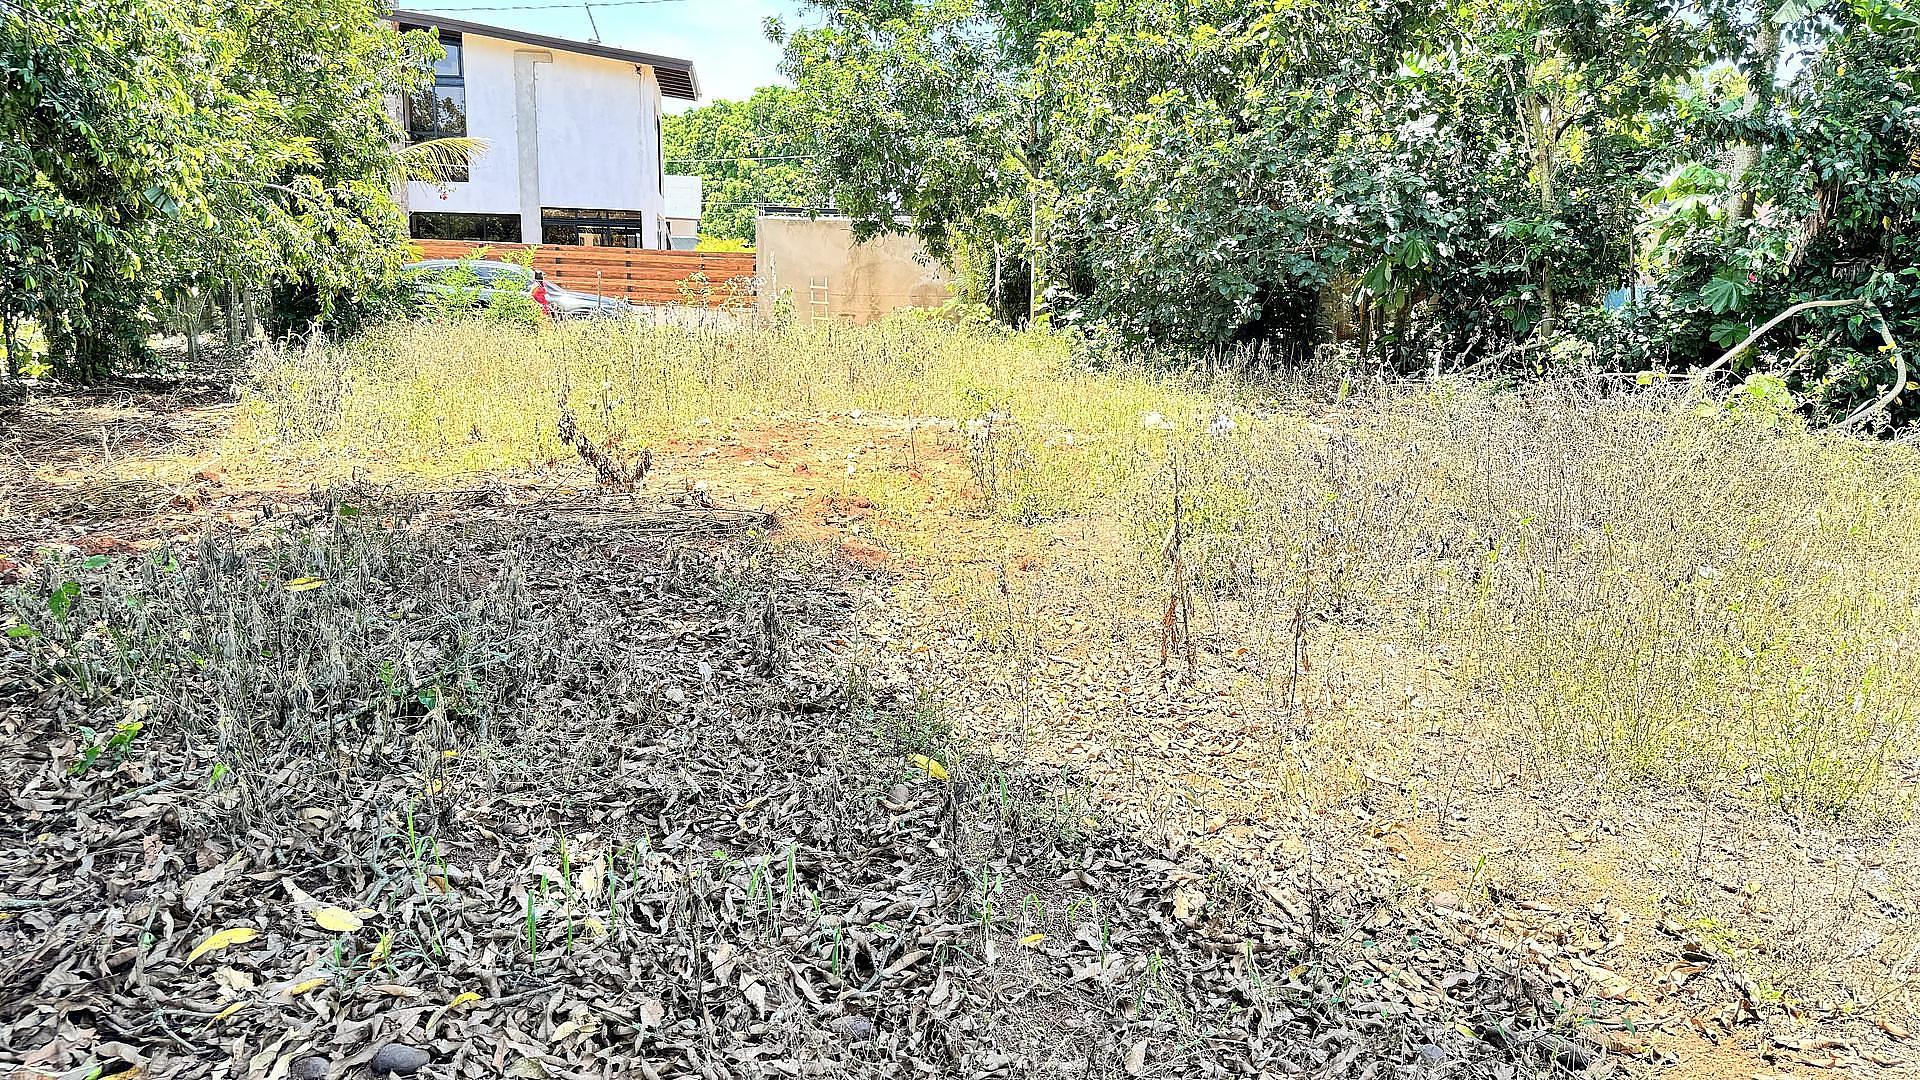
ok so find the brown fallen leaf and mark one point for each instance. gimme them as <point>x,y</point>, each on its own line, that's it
<point>199,887</point>
<point>906,961</point>
<point>233,980</point>
<point>1628,1043</point>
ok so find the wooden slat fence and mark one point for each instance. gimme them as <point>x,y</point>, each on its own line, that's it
<point>644,277</point>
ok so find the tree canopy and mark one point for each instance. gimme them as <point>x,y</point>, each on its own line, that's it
<point>151,149</point>
<point>1519,185</point>
<point>1533,184</point>
<point>748,154</point>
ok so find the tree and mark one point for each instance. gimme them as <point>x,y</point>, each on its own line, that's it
<point>1531,184</point>
<point>1454,172</point>
<point>1819,202</point>
<point>155,149</point>
<point>747,154</point>
<point>934,117</point>
<point>85,165</point>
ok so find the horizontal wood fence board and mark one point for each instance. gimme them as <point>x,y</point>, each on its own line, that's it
<point>651,277</point>
<point>581,273</point>
<point>590,256</point>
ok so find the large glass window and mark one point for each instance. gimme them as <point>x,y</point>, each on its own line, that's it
<point>440,111</point>
<point>487,228</point>
<point>593,228</point>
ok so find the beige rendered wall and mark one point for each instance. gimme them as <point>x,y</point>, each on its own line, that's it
<point>862,281</point>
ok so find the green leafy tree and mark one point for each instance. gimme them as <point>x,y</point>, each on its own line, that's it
<point>150,150</point>
<point>1488,184</point>
<point>92,106</point>
<point>936,117</point>
<point>1452,174</point>
<point>1810,194</point>
<point>748,154</point>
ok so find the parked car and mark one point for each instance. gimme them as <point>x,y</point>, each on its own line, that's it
<point>480,279</point>
<point>568,304</point>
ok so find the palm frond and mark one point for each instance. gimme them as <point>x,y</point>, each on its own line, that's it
<point>430,161</point>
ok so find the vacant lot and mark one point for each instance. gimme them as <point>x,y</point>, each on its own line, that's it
<point>1457,728</point>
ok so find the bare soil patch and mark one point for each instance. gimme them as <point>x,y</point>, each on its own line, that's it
<point>107,467</point>
<point>1688,933</point>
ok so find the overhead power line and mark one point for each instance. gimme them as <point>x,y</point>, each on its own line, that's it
<point>788,207</point>
<point>745,157</point>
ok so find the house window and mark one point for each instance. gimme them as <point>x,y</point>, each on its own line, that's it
<point>593,228</point>
<point>440,111</point>
<point>486,228</point>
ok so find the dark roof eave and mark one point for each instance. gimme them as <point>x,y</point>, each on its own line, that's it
<point>676,76</point>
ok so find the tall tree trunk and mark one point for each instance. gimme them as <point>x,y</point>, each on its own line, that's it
<point>233,319</point>
<point>1035,287</point>
<point>1402,320</point>
<point>1538,120</point>
<point>190,324</point>
<point>997,292</point>
<point>7,342</point>
<point>1760,93</point>
<point>1034,303</point>
<point>1549,203</point>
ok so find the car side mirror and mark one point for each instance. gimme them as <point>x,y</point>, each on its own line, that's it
<point>539,275</point>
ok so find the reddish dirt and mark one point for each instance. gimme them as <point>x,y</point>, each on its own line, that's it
<point>924,521</point>
<point>883,491</point>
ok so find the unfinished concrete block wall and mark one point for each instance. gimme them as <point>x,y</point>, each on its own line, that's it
<point>825,275</point>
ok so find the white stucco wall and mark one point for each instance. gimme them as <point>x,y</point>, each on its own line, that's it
<point>683,196</point>
<point>493,185</point>
<point>597,133</point>
<point>682,209</point>
<point>592,153</point>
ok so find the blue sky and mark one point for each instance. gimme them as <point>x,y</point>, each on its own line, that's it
<point>723,38</point>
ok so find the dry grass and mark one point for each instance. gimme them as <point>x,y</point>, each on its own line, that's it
<point>1710,597</point>
<point>1360,649</point>
<point>440,399</point>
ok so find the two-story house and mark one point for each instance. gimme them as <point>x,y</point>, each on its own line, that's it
<point>573,129</point>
